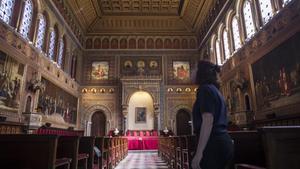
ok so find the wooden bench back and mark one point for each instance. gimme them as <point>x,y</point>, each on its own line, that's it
<point>28,151</point>
<point>68,147</point>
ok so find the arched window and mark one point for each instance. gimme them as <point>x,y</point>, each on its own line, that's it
<point>218,52</point>
<point>236,33</point>
<point>266,10</point>
<point>286,2</point>
<point>6,10</point>
<point>226,45</point>
<point>52,41</point>
<point>40,38</point>
<point>248,18</point>
<point>61,51</point>
<point>26,21</point>
<point>73,67</point>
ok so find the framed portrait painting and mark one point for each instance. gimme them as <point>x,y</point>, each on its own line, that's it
<point>140,115</point>
<point>100,70</point>
<point>181,70</point>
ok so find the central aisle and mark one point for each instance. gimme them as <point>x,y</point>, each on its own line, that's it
<point>142,160</point>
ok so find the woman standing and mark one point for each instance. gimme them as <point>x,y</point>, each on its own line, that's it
<point>214,145</point>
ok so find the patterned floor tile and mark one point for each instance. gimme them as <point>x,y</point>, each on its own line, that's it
<point>142,160</point>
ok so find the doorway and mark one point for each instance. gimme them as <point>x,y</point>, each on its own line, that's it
<point>98,124</point>
<point>183,123</point>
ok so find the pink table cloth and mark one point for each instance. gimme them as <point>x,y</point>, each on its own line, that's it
<point>142,143</point>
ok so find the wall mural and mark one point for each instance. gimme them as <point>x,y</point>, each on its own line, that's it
<point>181,70</point>
<point>132,66</point>
<point>11,73</point>
<point>277,76</point>
<point>54,100</point>
<point>100,70</point>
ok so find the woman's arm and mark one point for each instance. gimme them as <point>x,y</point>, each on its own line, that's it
<point>206,127</point>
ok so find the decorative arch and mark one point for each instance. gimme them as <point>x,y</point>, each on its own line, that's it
<point>132,92</point>
<point>28,16</point>
<point>87,114</point>
<point>179,107</point>
<point>97,43</point>
<point>175,110</point>
<point>213,49</point>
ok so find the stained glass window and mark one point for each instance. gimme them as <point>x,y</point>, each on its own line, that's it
<point>52,45</point>
<point>60,53</point>
<point>26,19</point>
<point>6,10</point>
<point>41,33</point>
<point>218,52</point>
<point>248,17</point>
<point>266,10</point>
<point>286,2</point>
<point>226,44</point>
<point>236,33</point>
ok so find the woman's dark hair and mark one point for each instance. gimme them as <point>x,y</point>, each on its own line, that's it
<point>207,73</point>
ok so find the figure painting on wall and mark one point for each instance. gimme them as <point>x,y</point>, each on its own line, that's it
<point>153,64</point>
<point>140,115</point>
<point>55,101</point>
<point>11,73</point>
<point>100,70</point>
<point>141,66</point>
<point>128,64</point>
<point>181,70</point>
<point>276,80</point>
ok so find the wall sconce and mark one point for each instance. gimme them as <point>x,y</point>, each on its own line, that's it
<point>170,90</point>
<point>111,90</point>
<point>102,90</point>
<point>93,90</point>
<point>178,90</point>
<point>84,90</point>
<point>188,89</point>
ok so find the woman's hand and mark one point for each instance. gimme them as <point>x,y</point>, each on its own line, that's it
<point>196,162</point>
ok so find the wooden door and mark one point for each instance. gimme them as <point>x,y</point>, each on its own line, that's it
<point>182,123</point>
<point>98,124</point>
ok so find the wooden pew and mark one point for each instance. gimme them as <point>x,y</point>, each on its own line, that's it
<point>248,148</point>
<point>28,151</point>
<point>68,147</point>
<point>282,146</point>
<point>107,146</point>
<point>188,152</point>
<point>86,146</point>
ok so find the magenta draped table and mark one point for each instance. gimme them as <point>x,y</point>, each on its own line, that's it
<point>142,142</point>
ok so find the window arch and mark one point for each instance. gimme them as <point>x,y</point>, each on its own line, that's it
<point>61,53</point>
<point>218,52</point>
<point>236,33</point>
<point>248,19</point>
<point>226,44</point>
<point>73,66</point>
<point>266,10</point>
<point>52,44</point>
<point>41,32</point>
<point>6,10</point>
<point>26,21</point>
<point>285,2</point>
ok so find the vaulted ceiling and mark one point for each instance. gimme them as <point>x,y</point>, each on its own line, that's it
<point>140,16</point>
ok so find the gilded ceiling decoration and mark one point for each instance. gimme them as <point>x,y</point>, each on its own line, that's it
<point>142,16</point>
<point>139,7</point>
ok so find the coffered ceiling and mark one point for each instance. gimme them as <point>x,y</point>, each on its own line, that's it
<point>140,16</point>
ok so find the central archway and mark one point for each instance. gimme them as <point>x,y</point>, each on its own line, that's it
<point>140,111</point>
<point>98,124</point>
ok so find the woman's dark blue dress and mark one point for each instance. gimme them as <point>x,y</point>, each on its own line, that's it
<point>219,149</point>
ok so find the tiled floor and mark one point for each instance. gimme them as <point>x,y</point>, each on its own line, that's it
<point>142,160</point>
